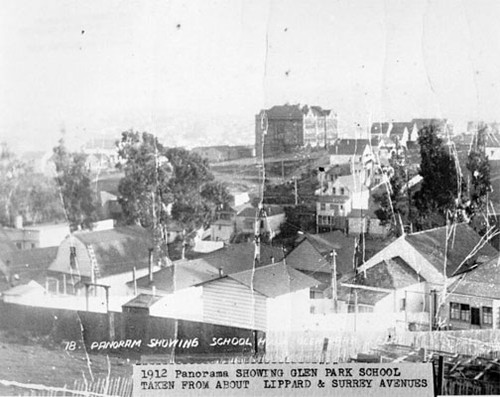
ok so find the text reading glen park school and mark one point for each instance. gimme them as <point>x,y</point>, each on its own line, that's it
<point>281,379</point>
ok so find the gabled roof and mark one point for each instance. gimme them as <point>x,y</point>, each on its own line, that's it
<point>483,281</point>
<point>461,242</point>
<point>118,250</point>
<point>271,210</point>
<point>346,248</point>
<point>393,273</point>
<point>307,258</point>
<point>30,264</point>
<point>274,280</point>
<point>186,274</point>
<point>361,296</point>
<point>349,147</point>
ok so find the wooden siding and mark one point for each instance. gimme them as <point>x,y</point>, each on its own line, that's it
<point>228,302</point>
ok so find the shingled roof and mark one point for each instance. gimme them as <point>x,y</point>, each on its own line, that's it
<point>483,281</point>
<point>274,280</point>
<point>116,250</point>
<point>460,241</point>
<point>393,273</point>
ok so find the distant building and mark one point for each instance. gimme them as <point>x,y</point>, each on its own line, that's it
<point>270,224</point>
<point>216,154</point>
<point>283,129</point>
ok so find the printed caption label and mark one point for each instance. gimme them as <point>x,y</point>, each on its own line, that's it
<point>408,379</point>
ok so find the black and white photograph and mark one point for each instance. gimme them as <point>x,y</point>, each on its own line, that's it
<point>191,190</point>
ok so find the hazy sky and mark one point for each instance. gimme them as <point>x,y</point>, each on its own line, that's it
<point>98,67</point>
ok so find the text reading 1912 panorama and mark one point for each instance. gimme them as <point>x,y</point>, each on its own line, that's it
<point>276,379</point>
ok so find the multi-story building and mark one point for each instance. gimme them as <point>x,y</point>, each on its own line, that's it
<point>283,129</point>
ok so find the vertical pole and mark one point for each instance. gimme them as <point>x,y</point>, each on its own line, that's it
<point>283,170</point>
<point>334,281</point>
<point>296,193</point>
<point>355,308</point>
<point>87,297</point>
<point>135,280</point>
<point>439,377</point>
<point>64,284</point>
<point>150,265</point>
<point>406,310</point>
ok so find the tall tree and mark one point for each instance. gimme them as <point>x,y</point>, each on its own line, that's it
<point>441,192</point>
<point>73,180</point>
<point>25,193</point>
<point>396,207</point>
<point>162,184</point>
<point>480,184</point>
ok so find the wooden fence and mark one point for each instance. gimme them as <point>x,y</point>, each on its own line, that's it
<point>119,387</point>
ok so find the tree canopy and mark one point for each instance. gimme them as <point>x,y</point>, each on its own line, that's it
<point>26,193</point>
<point>74,183</point>
<point>166,184</point>
<point>441,193</point>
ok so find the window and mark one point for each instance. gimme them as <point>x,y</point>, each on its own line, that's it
<point>342,191</point>
<point>465,312</point>
<point>334,191</point>
<point>323,206</point>
<point>220,227</point>
<point>332,206</point>
<point>341,207</point>
<point>475,316</point>
<point>19,246</point>
<point>262,224</point>
<point>402,304</point>
<point>314,294</point>
<point>455,311</point>
<point>72,257</point>
<point>487,315</point>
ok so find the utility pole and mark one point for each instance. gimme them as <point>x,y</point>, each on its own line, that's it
<point>296,193</point>
<point>334,280</point>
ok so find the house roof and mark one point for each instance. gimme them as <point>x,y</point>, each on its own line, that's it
<point>361,296</point>
<point>349,147</point>
<point>461,241</point>
<point>231,259</point>
<point>30,264</point>
<point>24,289</point>
<point>392,273</point>
<point>483,280</point>
<point>317,110</point>
<point>120,249</point>
<point>347,247</point>
<point>274,280</point>
<point>25,234</point>
<point>251,212</point>
<point>142,301</point>
<point>307,258</point>
<point>186,274</point>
